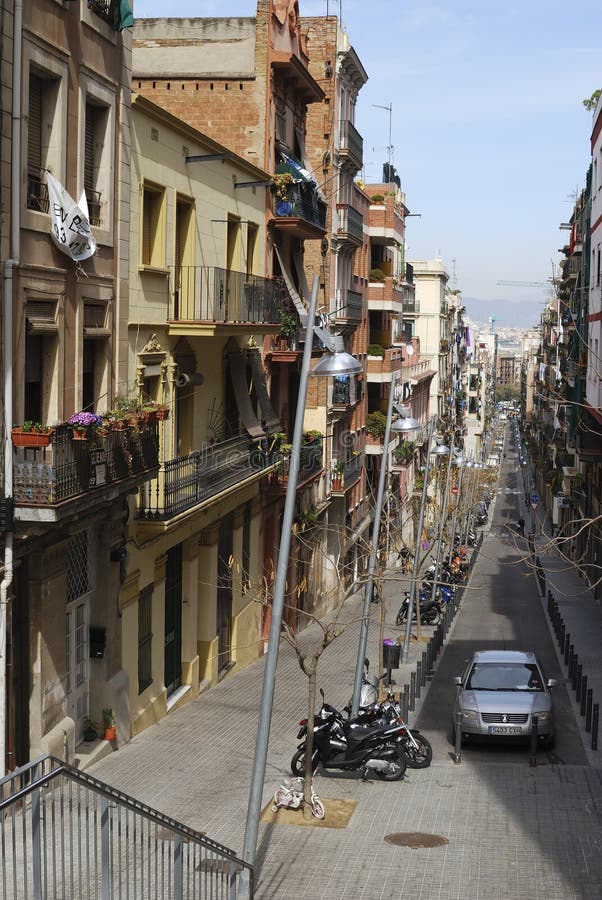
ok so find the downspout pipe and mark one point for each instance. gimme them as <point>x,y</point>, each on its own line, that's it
<point>9,267</point>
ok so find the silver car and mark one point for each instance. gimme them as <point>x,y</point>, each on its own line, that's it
<point>500,692</point>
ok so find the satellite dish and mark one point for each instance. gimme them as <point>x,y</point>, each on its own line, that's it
<point>409,350</point>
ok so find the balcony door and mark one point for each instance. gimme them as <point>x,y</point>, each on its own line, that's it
<point>233,264</point>
<point>173,620</point>
<point>224,592</point>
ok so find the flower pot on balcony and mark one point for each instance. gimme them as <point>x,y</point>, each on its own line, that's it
<point>79,435</point>
<point>110,733</point>
<point>21,438</point>
<point>149,416</point>
<point>162,413</point>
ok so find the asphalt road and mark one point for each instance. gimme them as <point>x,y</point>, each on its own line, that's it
<point>501,610</point>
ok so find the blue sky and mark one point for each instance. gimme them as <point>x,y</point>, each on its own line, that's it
<point>490,137</point>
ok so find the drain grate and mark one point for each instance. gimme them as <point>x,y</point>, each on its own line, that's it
<point>415,839</point>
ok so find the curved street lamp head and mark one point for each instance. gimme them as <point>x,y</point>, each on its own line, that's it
<point>440,450</point>
<point>337,363</point>
<point>404,424</point>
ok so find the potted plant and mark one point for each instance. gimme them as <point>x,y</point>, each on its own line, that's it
<point>282,182</point>
<point>376,350</point>
<point>338,472</point>
<point>90,729</point>
<point>31,434</point>
<point>108,718</point>
<point>288,326</point>
<point>377,198</point>
<point>376,275</point>
<point>376,424</point>
<point>312,435</point>
<point>84,424</point>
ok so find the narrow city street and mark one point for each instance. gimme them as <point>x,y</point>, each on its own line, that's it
<point>503,828</point>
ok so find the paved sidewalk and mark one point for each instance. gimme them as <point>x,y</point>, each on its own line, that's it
<point>508,831</point>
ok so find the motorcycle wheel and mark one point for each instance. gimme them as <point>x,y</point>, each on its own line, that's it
<point>398,764</point>
<point>433,617</point>
<point>298,760</point>
<point>418,757</point>
<point>401,615</point>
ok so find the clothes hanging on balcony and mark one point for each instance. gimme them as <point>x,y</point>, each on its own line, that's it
<point>241,393</point>
<point>271,419</point>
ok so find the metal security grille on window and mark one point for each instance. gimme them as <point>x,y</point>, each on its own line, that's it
<point>79,580</point>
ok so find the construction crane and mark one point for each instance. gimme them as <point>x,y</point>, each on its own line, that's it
<point>528,283</point>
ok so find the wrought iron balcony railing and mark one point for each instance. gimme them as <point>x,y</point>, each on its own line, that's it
<point>64,833</point>
<point>351,223</point>
<point>37,193</point>
<point>69,468</point>
<point>186,481</point>
<point>349,305</point>
<point>302,202</point>
<point>211,294</point>
<point>352,143</point>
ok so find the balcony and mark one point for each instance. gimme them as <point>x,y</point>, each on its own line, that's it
<point>300,212</point>
<point>200,476</point>
<point>386,224</point>
<point>386,295</point>
<point>37,193</point>
<point>69,476</point>
<point>411,306</point>
<point>350,229</point>
<point>349,306</point>
<point>346,393</point>
<point>351,146</point>
<point>310,467</point>
<point>380,369</point>
<point>203,297</point>
<point>345,474</point>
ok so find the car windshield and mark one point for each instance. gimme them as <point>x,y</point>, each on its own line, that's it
<point>504,677</point>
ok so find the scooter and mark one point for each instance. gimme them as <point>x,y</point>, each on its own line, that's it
<point>430,612</point>
<point>350,746</point>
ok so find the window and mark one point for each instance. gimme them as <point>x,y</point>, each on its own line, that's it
<point>153,226</point>
<point>183,282</point>
<point>145,638</point>
<point>43,97</point>
<point>96,164</point>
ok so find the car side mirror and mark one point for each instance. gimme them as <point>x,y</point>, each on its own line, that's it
<point>457,680</point>
<point>552,682</point>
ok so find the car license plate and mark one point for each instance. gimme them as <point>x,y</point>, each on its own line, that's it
<point>502,729</point>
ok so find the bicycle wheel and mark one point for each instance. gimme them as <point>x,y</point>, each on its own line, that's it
<point>280,799</point>
<point>317,808</point>
<point>401,615</point>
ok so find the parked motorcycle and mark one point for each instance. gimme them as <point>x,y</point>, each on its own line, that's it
<point>430,612</point>
<point>351,746</point>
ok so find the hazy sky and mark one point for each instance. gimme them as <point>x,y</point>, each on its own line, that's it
<point>490,137</point>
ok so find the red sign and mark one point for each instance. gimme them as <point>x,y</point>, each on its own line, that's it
<point>454,490</point>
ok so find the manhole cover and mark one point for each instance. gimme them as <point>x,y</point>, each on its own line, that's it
<point>415,839</point>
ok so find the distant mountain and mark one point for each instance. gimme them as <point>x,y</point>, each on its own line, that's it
<point>519,313</point>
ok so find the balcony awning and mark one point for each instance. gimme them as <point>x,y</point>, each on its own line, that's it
<point>290,286</point>
<point>271,419</point>
<point>241,393</point>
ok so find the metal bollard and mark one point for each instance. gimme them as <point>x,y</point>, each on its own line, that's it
<point>595,726</point>
<point>405,702</point>
<point>425,669</point>
<point>572,665</point>
<point>458,738</point>
<point>588,709</point>
<point>429,657</point>
<point>567,647</point>
<point>418,679</point>
<point>561,631</point>
<point>412,691</point>
<point>577,685</point>
<point>583,694</point>
<point>533,756</point>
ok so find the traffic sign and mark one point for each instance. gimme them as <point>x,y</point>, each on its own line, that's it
<point>534,501</point>
<point>454,490</point>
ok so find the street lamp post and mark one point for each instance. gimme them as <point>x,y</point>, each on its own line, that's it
<point>443,516</point>
<point>406,643</point>
<point>403,425</point>
<point>337,363</point>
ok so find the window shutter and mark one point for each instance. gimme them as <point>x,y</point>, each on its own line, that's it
<point>34,136</point>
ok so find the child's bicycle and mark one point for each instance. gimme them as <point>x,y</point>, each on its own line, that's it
<point>290,795</point>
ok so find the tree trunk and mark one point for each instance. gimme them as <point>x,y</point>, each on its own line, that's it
<point>309,744</point>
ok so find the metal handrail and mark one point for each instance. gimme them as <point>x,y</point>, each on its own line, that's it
<point>35,867</point>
